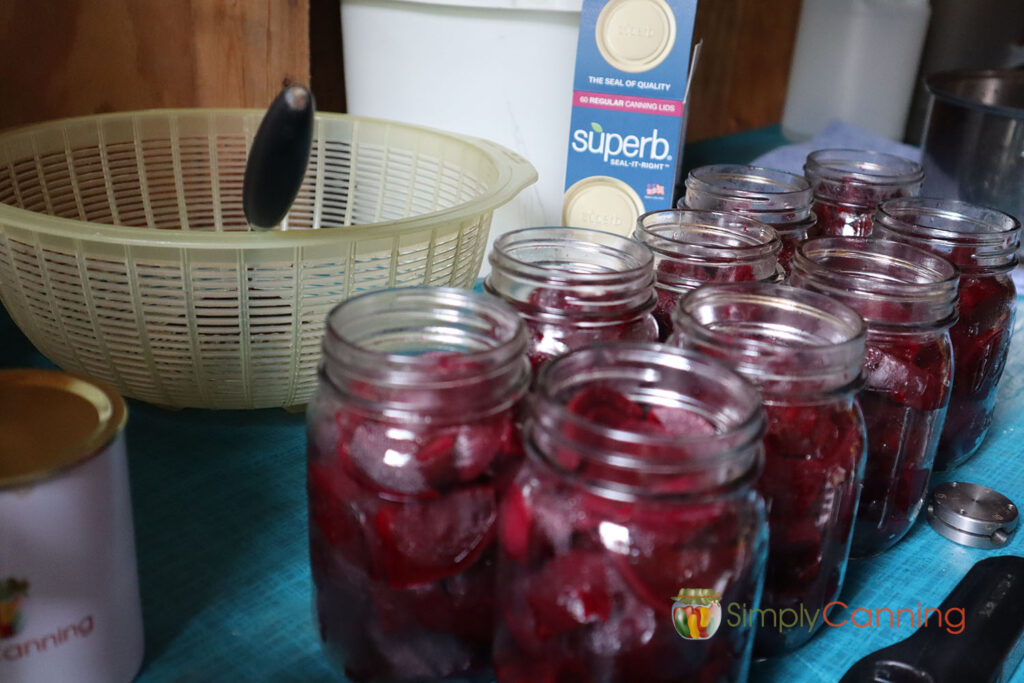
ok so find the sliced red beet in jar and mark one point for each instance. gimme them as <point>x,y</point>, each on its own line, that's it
<point>553,299</point>
<point>424,541</point>
<point>679,547</point>
<point>478,444</point>
<point>605,405</point>
<point>895,371</point>
<point>571,591</point>
<point>335,502</point>
<point>681,422</point>
<point>387,456</point>
<point>516,518</point>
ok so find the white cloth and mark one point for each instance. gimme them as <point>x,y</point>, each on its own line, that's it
<point>836,135</point>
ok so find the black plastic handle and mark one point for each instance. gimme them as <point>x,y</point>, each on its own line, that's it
<point>988,648</point>
<point>278,157</point>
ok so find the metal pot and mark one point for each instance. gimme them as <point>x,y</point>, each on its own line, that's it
<point>974,138</point>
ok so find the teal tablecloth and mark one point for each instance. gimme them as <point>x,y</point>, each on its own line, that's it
<point>220,520</point>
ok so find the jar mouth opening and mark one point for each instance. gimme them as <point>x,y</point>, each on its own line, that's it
<point>894,286</point>
<point>759,326</point>
<point>571,256</point>
<point>765,189</point>
<point>950,220</point>
<point>862,167</point>
<point>737,429</point>
<point>879,269</point>
<point>977,238</point>
<point>594,314</point>
<point>712,235</point>
<point>396,335</point>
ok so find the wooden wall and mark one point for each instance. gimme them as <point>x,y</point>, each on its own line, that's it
<point>741,80</point>
<point>72,57</point>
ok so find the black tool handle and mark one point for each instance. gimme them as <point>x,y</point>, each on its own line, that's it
<point>278,157</point>
<point>991,596</point>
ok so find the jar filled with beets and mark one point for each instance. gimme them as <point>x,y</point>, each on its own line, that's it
<point>778,198</point>
<point>849,184</point>
<point>805,352</point>
<point>907,297</point>
<point>574,286</point>
<point>693,247</point>
<point>638,487</point>
<point>412,437</point>
<point>981,242</point>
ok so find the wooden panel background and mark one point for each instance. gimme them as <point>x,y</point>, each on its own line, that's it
<point>86,56</point>
<point>77,57</point>
<point>741,80</point>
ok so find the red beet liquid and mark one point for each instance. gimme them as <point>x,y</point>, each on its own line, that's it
<point>402,531</point>
<point>981,341</point>
<point>587,581</point>
<point>669,298</point>
<point>812,481</point>
<point>551,338</point>
<point>848,208</point>
<point>903,403</point>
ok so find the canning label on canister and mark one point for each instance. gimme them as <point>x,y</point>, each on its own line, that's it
<point>69,595</point>
<point>602,203</point>
<point>635,35</point>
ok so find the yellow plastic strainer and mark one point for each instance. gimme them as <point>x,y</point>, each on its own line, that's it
<point>125,254</point>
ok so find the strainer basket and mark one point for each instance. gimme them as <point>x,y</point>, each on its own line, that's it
<point>125,253</point>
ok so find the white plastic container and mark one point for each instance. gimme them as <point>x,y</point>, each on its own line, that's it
<point>69,591</point>
<point>854,60</point>
<point>497,69</point>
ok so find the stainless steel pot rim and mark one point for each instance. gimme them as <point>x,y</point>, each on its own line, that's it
<point>940,86</point>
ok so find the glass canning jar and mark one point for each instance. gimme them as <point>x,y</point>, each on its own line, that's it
<point>412,435</point>
<point>849,183</point>
<point>638,486</point>
<point>693,247</point>
<point>805,352</point>
<point>907,297</point>
<point>778,198</point>
<point>574,286</point>
<point>981,242</point>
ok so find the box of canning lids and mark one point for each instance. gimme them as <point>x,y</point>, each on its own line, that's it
<point>69,594</point>
<point>626,131</point>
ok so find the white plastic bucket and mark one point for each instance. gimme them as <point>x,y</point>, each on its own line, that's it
<point>497,69</point>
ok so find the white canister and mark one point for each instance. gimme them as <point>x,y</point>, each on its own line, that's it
<point>69,592</point>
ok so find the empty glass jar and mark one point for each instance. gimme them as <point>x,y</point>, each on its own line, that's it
<point>574,286</point>
<point>804,351</point>
<point>907,296</point>
<point>778,198</point>
<point>412,438</point>
<point>981,242</point>
<point>693,247</point>
<point>849,183</point>
<point>638,486</point>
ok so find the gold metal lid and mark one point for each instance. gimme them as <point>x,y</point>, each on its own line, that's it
<point>51,421</point>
